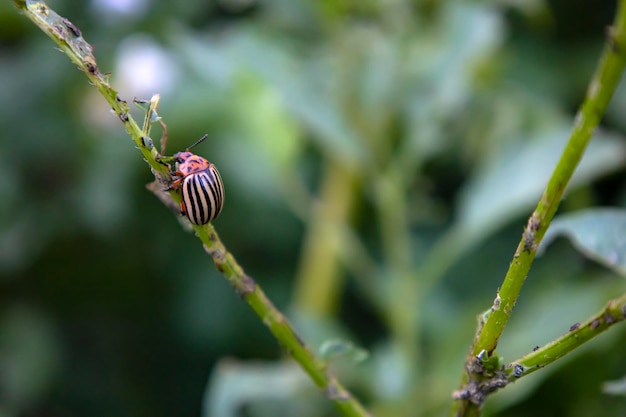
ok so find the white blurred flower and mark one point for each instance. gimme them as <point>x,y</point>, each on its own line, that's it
<point>143,68</point>
<point>113,10</point>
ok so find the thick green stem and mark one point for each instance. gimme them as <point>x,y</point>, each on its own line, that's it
<point>599,93</point>
<point>70,41</point>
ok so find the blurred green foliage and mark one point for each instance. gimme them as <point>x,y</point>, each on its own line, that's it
<point>380,160</point>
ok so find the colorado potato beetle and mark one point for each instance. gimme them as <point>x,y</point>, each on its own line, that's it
<point>201,184</point>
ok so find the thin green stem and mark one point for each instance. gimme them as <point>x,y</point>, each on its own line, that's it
<point>403,286</point>
<point>350,249</point>
<point>599,93</point>
<point>579,333</point>
<point>69,39</point>
<point>494,376</point>
<point>278,324</point>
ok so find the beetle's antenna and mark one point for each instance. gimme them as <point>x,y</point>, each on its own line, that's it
<point>198,142</point>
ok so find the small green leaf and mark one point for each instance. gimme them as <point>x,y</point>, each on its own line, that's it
<point>492,363</point>
<point>335,348</point>
<point>599,234</point>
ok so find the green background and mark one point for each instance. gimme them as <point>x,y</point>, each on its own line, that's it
<point>448,118</point>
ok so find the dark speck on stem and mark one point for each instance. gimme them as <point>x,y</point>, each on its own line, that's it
<point>71,27</point>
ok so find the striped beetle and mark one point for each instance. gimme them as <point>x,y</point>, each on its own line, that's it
<point>201,184</point>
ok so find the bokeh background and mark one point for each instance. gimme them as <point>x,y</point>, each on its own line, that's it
<point>380,160</point>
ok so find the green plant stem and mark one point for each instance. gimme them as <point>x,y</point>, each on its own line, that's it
<point>69,39</point>
<point>579,333</point>
<point>278,324</point>
<point>351,251</point>
<point>598,95</point>
<point>494,376</point>
<point>403,285</point>
<point>318,280</point>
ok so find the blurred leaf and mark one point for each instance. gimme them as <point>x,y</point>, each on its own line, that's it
<point>199,310</point>
<point>18,244</point>
<point>467,34</point>
<point>103,198</point>
<point>615,110</point>
<point>528,7</point>
<point>29,357</point>
<point>268,127</point>
<point>511,182</point>
<point>536,67</point>
<point>302,88</point>
<point>234,385</point>
<point>378,79</point>
<point>338,348</point>
<point>616,387</point>
<point>390,371</point>
<point>441,71</point>
<point>9,188</point>
<point>29,233</point>
<point>599,234</point>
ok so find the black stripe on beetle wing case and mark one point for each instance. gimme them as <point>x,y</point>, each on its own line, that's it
<point>203,194</point>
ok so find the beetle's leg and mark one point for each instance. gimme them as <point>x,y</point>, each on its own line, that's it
<point>176,182</point>
<point>183,208</point>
